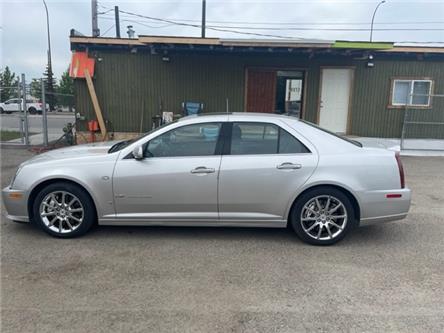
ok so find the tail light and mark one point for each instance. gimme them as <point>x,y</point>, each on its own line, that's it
<point>400,168</point>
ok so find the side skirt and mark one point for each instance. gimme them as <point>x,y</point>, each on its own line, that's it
<point>196,223</point>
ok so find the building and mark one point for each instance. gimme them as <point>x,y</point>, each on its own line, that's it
<point>356,88</point>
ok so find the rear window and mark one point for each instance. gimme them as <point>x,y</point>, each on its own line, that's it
<point>353,142</point>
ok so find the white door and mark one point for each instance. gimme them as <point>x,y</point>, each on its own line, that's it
<point>335,98</point>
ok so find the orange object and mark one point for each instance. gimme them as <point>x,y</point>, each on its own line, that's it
<point>93,125</point>
<point>79,63</point>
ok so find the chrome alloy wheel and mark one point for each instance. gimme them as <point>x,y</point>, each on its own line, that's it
<point>324,217</point>
<point>61,212</point>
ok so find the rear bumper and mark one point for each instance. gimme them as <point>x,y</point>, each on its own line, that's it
<point>15,202</point>
<point>376,207</point>
<point>381,219</point>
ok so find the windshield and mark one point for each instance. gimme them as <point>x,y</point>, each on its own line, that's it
<point>122,144</point>
<point>353,142</point>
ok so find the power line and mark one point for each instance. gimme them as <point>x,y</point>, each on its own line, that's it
<point>141,23</point>
<point>329,29</point>
<point>103,34</point>
<point>311,23</point>
<point>106,11</point>
<point>210,28</point>
<point>224,28</point>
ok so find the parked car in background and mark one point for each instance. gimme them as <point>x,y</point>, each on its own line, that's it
<point>240,169</point>
<point>14,105</point>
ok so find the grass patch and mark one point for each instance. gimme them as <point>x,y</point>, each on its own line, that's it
<point>9,135</point>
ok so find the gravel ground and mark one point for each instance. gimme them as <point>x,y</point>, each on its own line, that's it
<point>381,278</point>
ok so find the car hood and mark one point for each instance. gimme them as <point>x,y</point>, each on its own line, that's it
<point>91,149</point>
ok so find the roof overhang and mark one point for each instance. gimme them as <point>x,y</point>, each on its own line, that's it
<point>196,44</point>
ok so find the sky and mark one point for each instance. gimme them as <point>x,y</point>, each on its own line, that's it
<point>23,38</point>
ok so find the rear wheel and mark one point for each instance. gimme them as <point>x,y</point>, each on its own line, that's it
<point>64,210</point>
<point>323,216</point>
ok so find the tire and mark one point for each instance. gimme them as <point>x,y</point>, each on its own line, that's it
<point>64,221</point>
<point>2,111</point>
<point>32,110</point>
<point>317,225</point>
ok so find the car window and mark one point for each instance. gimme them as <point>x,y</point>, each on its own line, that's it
<point>263,138</point>
<point>288,144</point>
<point>190,140</point>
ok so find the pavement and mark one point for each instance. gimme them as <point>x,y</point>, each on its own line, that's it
<point>381,278</point>
<point>56,121</point>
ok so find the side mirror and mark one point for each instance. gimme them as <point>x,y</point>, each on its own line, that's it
<point>138,153</point>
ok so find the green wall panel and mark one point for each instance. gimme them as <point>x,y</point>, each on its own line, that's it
<point>131,84</point>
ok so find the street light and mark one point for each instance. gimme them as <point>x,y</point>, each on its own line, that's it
<point>373,19</point>
<point>49,38</point>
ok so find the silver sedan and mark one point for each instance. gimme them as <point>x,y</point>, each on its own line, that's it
<point>245,169</point>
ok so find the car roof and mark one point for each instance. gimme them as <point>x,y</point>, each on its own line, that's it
<point>235,115</point>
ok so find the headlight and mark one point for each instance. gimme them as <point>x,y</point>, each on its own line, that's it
<point>15,176</point>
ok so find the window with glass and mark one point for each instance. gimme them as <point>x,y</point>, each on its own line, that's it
<point>411,92</point>
<point>190,140</point>
<point>263,138</point>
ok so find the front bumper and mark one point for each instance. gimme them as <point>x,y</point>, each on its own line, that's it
<point>15,202</point>
<point>377,207</point>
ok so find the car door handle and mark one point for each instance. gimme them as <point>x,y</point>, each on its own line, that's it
<point>289,166</point>
<point>203,169</point>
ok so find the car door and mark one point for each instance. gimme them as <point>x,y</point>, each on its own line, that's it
<point>177,179</point>
<point>16,106</point>
<point>261,170</point>
<point>12,105</point>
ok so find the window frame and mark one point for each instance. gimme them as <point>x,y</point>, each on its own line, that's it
<point>411,81</point>
<point>219,141</point>
<point>226,149</point>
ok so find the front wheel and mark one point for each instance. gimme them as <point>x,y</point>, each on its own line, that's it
<point>64,210</point>
<point>32,110</point>
<point>323,216</point>
<point>2,111</point>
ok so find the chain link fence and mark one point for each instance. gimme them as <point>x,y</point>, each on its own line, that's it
<point>27,118</point>
<point>423,127</point>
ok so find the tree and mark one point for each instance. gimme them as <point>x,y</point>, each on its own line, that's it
<point>8,81</point>
<point>50,85</point>
<point>66,90</point>
<point>36,88</point>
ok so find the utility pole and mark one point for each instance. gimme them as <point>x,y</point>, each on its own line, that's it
<point>95,23</point>
<point>203,17</point>
<point>116,15</point>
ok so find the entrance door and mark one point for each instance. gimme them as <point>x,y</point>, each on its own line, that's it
<point>335,98</point>
<point>261,90</point>
<point>289,92</point>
